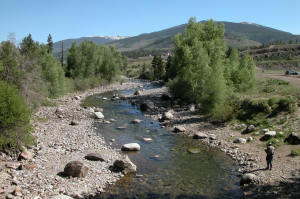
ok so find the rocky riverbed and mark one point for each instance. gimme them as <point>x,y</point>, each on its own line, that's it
<point>64,133</point>
<point>247,149</point>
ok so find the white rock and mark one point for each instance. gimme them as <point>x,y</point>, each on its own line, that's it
<point>248,178</point>
<point>136,121</point>
<point>131,147</point>
<point>240,140</point>
<point>61,197</point>
<point>270,133</point>
<point>147,139</point>
<point>265,130</point>
<point>98,115</point>
<point>200,135</point>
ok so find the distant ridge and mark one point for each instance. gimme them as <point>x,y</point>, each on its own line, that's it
<point>243,34</point>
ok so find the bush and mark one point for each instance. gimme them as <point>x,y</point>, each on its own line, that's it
<point>14,118</point>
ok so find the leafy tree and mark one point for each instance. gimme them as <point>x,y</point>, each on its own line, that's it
<point>198,65</point>
<point>50,44</point>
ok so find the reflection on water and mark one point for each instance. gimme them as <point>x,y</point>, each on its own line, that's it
<point>171,166</point>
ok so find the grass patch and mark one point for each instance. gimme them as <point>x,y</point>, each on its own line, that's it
<point>295,152</point>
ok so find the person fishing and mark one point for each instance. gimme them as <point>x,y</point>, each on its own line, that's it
<point>270,153</point>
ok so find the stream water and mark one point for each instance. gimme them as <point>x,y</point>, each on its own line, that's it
<point>172,166</point>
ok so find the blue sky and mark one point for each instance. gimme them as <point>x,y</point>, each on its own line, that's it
<point>76,18</point>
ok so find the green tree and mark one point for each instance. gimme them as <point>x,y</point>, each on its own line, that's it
<point>197,69</point>
<point>9,66</point>
<point>28,47</point>
<point>50,44</point>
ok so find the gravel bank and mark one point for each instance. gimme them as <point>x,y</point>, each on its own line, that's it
<point>58,143</point>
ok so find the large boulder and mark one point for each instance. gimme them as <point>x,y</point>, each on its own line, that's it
<point>293,138</point>
<point>268,135</point>
<point>167,116</point>
<point>200,135</point>
<point>131,147</point>
<point>179,129</point>
<point>124,165</point>
<point>248,178</point>
<point>98,115</point>
<point>94,157</point>
<point>148,105</point>
<point>76,169</point>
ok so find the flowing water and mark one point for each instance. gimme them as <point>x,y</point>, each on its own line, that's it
<point>172,166</point>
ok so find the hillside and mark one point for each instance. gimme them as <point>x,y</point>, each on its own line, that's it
<point>97,40</point>
<point>285,56</point>
<point>237,35</point>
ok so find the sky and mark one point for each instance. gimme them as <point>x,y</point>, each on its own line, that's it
<point>65,19</point>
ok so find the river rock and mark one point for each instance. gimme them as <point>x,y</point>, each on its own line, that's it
<point>76,169</point>
<point>179,129</point>
<point>165,97</point>
<point>167,116</point>
<point>293,138</point>
<point>240,141</point>
<point>61,197</point>
<point>94,157</point>
<point>251,128</point>
<point>200,135</point>
<point>125,165</point>
<point>268,135</point>
<point>138,92</point>
<point>98,115</point>
<point>194,150</point>
<point>17,191</point>
<point>74,123</point>
<point>248,178</point>
<point>97,109</point>
<point>77,97</point>
<point>25,155</point>
<point>212,137</point>
<point>136,121</point>
<point>147,139</point>
<point>148,105</point>
<point>12,165</point>
<point>131,147</point>
<point>192,107</point>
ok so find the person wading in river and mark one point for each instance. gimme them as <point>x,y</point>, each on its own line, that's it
<point>270,153</point>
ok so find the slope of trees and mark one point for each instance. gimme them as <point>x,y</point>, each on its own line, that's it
<point>200,71</point>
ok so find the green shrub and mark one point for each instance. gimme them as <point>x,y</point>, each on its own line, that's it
<point>14,118</point>
<point>287,104</point>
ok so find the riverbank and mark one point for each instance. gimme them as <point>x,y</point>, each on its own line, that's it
<point>280,182</point>
<point>58,143</point>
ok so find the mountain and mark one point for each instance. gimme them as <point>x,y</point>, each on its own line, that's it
<point>241,35</point>
<point>96,39</point>
<point>237,34</point>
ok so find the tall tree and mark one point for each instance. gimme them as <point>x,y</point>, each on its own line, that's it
<point>50,44</point>
<point>28,47</point>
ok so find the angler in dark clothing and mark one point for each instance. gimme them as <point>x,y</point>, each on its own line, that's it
<point>270,153</point>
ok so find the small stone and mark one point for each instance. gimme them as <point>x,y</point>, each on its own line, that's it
<point>192,107</point>
<point>94,157</point>
<point>131,147</point>
<point>61,197</point>
<point>167,116</point>
<point>212,137</point>
<point>28,166</point>
<point>98,109</point>
<point>59,111</point>
<point>138,92</point>
<point>121,127</point>
<point>179,129</point>
<point>17,191</point>
<point>200,135</point>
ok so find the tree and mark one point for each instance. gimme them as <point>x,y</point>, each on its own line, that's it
<point>28,47</point>
<point>50,44</point>
<point>198,65</point>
